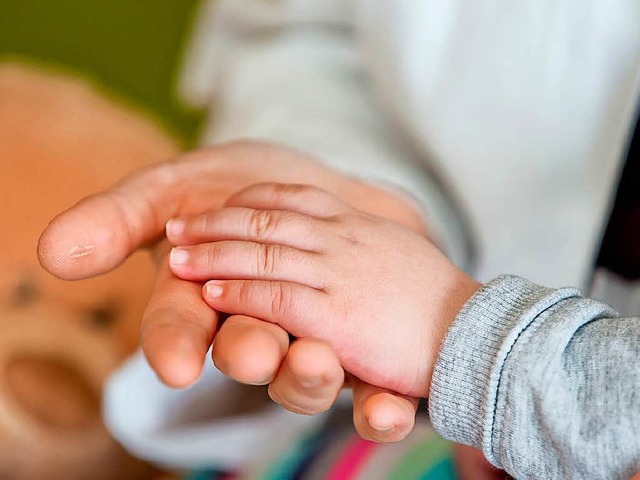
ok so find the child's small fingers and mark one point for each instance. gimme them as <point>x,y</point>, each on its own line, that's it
<point>381,415</point>
<point>249,350</point>
<point>239,223</point>
<point>294,307</point>
<point>310,378</point>
<point>300,198</point>
<point>248,261</point>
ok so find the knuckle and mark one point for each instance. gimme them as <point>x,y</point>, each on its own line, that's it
<point>212,256</point>
<point>206,223</point>
<point>281,299</point>
<point>262,224</point>
<point>245,296</point>
<point>268,256</point>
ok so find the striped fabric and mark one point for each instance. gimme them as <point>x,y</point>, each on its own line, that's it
<point>336,452</point>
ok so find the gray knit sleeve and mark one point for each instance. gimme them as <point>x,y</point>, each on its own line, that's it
<point>545,382</point>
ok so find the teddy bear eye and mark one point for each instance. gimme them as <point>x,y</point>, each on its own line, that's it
<point>25,293</point>
<point>103,316</point>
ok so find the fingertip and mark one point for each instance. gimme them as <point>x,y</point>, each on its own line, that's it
<point>391,418</point>
<point>380,415</point>
<point>47,255</point>
<point>75,246</point>
<point>249,350</point>
<point>177,372</point>
<point>67,260</point>
<point>313,363</point>
<point>310,378</point>
<point>177,363</point>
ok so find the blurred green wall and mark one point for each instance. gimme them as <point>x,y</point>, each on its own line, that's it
<point>131,47</point>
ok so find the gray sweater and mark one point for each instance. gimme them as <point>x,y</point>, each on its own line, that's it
<point>545,382</point>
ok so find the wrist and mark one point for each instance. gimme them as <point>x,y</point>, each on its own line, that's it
<point>457,291</point>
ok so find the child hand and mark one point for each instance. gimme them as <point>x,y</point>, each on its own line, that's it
<point>379,294</point>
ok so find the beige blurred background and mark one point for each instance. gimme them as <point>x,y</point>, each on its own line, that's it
<point>87,94</point>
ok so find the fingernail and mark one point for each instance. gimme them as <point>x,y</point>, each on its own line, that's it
<point>383,428</point>
<point>383,421</point>
<point>175,227</point>
<point>178,256</point>
<point>213,290</point>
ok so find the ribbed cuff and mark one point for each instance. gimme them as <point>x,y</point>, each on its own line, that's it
<point>466,377</point>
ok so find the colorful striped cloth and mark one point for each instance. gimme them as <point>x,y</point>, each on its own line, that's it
<point>336,452</point>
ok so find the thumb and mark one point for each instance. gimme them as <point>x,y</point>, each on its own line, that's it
<point>101,231</point>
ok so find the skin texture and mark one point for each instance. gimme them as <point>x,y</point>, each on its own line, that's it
<point>382,296</point>
<point>98,233</point>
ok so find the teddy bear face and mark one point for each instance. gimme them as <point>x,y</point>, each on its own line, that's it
<point>60,141</point>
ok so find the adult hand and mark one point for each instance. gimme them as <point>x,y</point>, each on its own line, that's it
<point>101,231</point>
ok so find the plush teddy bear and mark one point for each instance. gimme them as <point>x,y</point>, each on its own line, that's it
<point>59,141</point>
